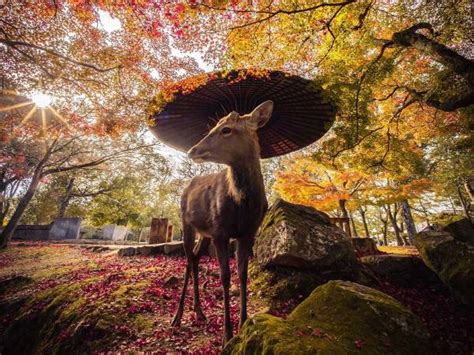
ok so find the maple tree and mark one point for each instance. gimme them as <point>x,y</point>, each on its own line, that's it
<point>400,72</point>
<point>99,79</point>
<point>305,181</point>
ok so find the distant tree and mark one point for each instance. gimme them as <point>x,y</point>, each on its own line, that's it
<point>67,153</point>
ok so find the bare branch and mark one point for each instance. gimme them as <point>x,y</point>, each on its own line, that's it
<point>16,44</point>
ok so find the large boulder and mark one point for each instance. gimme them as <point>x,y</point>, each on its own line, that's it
<point>339,317</point>
<point>301,237</point>
<point>462,230</point>
<point>365,246</point>
<point>405,270</point>
<point>451,259</point>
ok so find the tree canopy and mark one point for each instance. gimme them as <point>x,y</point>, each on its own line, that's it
<point>401,74</point>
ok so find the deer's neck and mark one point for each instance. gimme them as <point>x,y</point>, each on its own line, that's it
<point>245,180</point>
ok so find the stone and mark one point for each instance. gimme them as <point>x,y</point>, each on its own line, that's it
<point>301,237</point>
<point>462,230</point>
<point>31,232</point>
<point>405,270</point>
<point>114,232</point>
<point>65,228</point>
<point>108,231</point>
<point>173,248</point>
<point>148,250</point>
<point>365,246</point>
<point>127,251</point>
<point>120,233</point>
<point>451,259</point>
<point>339,317</point>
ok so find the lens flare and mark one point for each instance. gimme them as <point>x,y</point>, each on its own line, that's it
<point>41,100</point>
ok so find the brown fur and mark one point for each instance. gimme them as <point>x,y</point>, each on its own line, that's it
<point>229,204</point>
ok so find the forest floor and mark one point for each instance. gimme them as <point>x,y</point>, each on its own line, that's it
<point>100,302</point>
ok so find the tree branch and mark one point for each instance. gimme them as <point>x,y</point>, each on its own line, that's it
<point>15,44</point>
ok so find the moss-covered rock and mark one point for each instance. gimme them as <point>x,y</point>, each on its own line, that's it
<point>60,320</point>
<point>462,230</point>
<point>405,270</point>
<point>451,259</point>
<point>304,238</point>
<point>365,246</point>
<point>339,317</point>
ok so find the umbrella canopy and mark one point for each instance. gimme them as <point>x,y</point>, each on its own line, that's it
<point>186,113</point>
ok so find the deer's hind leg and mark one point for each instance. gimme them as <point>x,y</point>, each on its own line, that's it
<point>201,246</point>
<point>244,250</point>
<point>188,242</point>
<point>222,248</point>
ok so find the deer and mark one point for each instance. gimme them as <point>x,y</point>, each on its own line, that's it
<point>224,205</point>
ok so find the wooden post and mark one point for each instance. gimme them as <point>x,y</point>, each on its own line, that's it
<point>158,230</point>
<point>169,234</point>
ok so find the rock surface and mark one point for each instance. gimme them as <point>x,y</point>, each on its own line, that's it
<point>462,230</point>
<point>337,318</point>
<point>174,248</point>
<point>402,269</point>
<point>451,259</point>
<point>365,246</point>
<point>302,237</point>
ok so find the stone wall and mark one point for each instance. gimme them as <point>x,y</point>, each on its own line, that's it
<point>65,228</point>
<point>32,232</point>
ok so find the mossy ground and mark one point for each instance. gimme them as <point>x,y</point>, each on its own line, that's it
<point>64,299</point>
<point>56,299</point>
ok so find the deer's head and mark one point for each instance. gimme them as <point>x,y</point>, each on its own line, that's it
<point>234,139</point>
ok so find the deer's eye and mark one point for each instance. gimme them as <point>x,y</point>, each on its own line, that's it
<point>226,131</point>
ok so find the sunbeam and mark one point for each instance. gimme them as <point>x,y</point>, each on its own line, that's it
<point>43,122</point>
<point>60,118</point>
<point>8,108</point>
<point>28,115</point>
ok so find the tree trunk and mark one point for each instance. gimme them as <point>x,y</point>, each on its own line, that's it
<point>465,204</point>
<point>7,233</point>
<point>4,208</point>
<point>409,222</point>
<point>469,190</point>
<point>385,232</point>
<point>384,226</point>
<point>345,214</point>
<point>364,222</point>
<point>354,229</point>
<point>66,199</point>
<point>425,212</point>
<point>393,221</point>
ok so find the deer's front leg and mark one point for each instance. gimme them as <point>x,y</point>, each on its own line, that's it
<point>244,247</point>
<point>179,312</point>
<point>222,248</point>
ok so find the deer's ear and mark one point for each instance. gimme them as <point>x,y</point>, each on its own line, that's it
<point>260,116</point>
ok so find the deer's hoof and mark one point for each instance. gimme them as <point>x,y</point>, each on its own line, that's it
<point>200,316</point>
<point>175,322</point>
<point>226,338</point>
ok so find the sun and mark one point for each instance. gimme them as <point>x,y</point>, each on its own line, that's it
<point>41,100</point>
